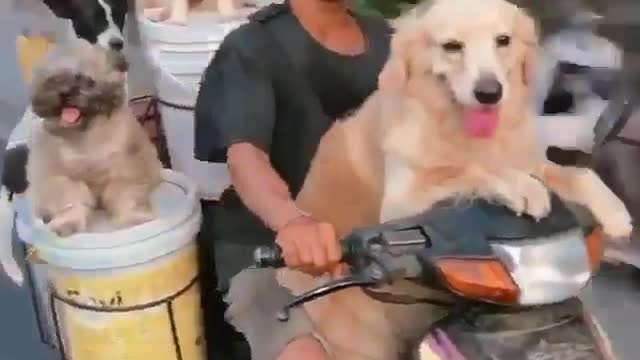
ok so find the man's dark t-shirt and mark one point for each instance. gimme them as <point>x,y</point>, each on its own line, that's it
<point>283,109</point>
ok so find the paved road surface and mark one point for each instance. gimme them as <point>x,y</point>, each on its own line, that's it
<point>614,296</point>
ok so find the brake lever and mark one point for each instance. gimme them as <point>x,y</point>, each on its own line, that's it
<point>359,280</point>
<point>376,257</point>
<point>382,269</point>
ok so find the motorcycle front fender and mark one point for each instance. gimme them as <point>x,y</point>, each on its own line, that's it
<point>555,332</point>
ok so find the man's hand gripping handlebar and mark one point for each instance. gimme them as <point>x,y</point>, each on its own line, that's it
<point>376,256</point>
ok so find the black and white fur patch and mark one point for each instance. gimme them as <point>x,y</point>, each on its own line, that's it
<point>97,21</point>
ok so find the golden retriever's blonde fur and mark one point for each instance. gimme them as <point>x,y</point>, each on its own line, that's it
<point>405,150</point>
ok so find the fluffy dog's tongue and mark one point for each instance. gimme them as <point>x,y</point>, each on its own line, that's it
<point>70,115</point>
<point>481,122</point>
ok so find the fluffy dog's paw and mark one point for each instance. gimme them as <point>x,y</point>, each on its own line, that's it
<point>176,20</point>
<point>157,14</point>
<point>134,217</point>
<point>70,221</point>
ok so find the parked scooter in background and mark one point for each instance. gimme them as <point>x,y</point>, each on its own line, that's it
<point>589,114</point>
<point>616,158</point>
<point>576,72</point>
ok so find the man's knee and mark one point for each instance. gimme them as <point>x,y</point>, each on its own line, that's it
<point>305,347</point>
<point>254,299</point>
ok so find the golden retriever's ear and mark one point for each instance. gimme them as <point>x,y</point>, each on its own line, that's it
<point>527,33</point>
<point>395,73</point>
<point>393,76</point>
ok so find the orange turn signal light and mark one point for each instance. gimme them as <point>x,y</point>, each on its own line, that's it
<point>595,248</point>
<point>485,279</point>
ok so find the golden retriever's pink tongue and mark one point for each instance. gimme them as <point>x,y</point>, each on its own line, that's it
<point>481,122</point>
<point>70,115</point>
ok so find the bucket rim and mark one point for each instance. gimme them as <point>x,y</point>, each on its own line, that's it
<point>203,27</point>
<point>135,254</point>
<point>113,239</point>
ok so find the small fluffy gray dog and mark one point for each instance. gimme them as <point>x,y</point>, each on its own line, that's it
<point>89,151</point>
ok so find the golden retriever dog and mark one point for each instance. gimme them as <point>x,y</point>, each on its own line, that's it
<point>450,118</point>
<point>89,151</point>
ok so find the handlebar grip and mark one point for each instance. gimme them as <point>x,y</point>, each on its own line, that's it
<point>268,256</point>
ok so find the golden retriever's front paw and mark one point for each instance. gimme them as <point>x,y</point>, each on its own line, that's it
<point>526,195</point>
<point>537,198</point>
<point>608,209</point>
<point>618,225</point>
<point>72,220</point>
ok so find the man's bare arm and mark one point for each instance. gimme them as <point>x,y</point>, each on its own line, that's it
<point>259,186</point>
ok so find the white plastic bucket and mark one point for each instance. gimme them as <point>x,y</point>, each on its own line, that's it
<point>181,54</point>
<point>202,30</point>
<point>186,71</point>
<point>195,43</point>
<point>176,102</point>
<point>125,294</point>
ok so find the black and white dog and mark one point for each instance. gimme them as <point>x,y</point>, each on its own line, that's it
<point>98,22</point>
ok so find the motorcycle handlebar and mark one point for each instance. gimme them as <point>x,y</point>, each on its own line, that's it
<point>270,256</point>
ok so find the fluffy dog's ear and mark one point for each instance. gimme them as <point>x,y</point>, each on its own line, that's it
<point>527,33</point>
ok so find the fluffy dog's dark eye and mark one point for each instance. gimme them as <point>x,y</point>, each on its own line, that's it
<point>453,46</point>
<point>503,40</point>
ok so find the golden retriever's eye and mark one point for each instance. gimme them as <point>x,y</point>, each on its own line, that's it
<point>453,46</point>
<point>503,40</point>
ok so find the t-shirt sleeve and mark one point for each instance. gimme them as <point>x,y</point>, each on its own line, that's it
<point>235,104</point>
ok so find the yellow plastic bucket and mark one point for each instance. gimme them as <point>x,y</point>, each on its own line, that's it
<point>131,294</point>
<point>32,51</point>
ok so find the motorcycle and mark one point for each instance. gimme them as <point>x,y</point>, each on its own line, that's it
<point>515,279</point>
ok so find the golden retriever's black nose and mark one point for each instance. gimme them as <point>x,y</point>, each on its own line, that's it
<point>488,90</point>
